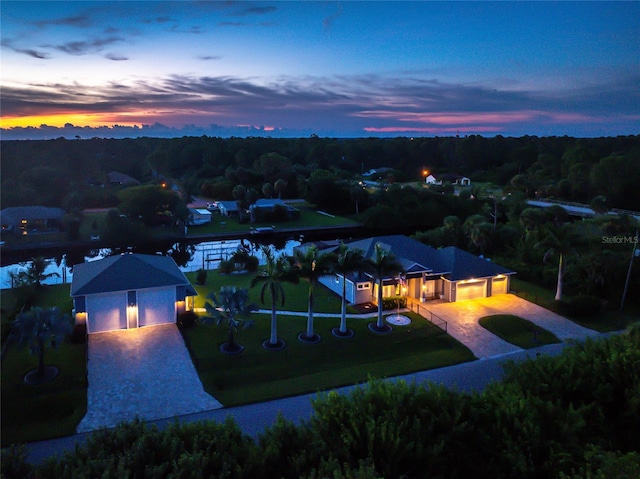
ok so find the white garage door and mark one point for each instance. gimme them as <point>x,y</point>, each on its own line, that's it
<point>106,312</point>
<point>473,290</point>
<point>156,306</point>
<point>499,286</point>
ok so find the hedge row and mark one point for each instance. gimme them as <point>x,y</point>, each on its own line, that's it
<point>573,416</point>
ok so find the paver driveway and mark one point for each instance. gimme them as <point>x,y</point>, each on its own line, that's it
<point>144,372</point>
<point>462,322</point>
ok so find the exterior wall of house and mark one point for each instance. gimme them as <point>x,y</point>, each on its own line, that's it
<point>448,293</point>
<point>430,289</point>
<point>128,309</point>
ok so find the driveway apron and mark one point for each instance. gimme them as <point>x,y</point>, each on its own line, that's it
<point>145,373</point>
<point>462,322</point>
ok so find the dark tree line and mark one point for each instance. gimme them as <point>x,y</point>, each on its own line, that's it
<point>59,172</point>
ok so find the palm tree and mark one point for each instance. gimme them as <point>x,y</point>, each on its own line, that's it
<point>229,303</point>
<point>345,261</point>
<point>276,271</point>
<point>35,272</point>
<point>41,328</point>
<point>558,240</point>
<point>311,265</point>
<point>382,264</point>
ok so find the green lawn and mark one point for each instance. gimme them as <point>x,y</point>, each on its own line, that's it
<point>35,413</point>
<point>296,296</point>
<point>517,330</point>
<point>309,217</point>
<point>258,375</point>
<point>609,320</point>
<point>52,410</point>
<point>31,413</point>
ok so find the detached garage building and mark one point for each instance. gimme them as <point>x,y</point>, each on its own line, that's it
<point>129,291</point>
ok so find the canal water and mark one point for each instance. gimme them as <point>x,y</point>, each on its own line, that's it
<point>206,255</point>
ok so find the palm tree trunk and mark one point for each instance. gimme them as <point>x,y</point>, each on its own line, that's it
<point>560,273</point>
<point>40,357</point>
<point>343,309</point>
<point>273,340</point>
<point>379,323</point>
<point>310,313</point>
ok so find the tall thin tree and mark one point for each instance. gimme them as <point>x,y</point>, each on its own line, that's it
<point>311,265</point>
<point>346,260</point>
<point>381,265</point>
<point>558,240</point>
<point>276,271</point>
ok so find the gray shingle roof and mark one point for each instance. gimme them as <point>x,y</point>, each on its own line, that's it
<point>453,263</point>
<point>464,265</point>
<point>127,272</point>
<point>15,214</point>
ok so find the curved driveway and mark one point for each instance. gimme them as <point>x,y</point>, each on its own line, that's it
<point>145,373</point>
<point>462,322</point>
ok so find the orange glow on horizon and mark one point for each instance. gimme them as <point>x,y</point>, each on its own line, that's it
<point>60,120</point>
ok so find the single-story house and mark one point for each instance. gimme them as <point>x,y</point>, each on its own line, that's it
<point>454,179</point>
<point>451,273</point>
<point>129,291</point>
<point>228,208</point>
<point>431,180</point>
<point>264,207</point>
<point>199,216</point>
<point>31,219</point>
<point>117,178</point>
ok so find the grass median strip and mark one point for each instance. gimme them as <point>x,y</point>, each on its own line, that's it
<point>517,330</point>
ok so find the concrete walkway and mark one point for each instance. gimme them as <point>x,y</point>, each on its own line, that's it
<point>143,372</point>
<point>462,322</point>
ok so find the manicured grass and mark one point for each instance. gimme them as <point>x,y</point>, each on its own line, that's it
<point>309,217</point>
<point>296,296</point>
<point>46,296</point>
<point>31,413</point>
<point>259,375</point>
<point>610,320</point>
<point>517,330</point>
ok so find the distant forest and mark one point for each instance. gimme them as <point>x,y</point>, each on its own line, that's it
<point>73,173</point>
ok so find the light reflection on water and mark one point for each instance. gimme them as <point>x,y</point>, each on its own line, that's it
<point>207,256</point>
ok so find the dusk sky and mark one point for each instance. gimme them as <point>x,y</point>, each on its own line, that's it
<point>343,69</point>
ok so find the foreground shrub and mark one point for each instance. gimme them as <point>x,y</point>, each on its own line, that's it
<point>576,415</point>
<point>136,450</point>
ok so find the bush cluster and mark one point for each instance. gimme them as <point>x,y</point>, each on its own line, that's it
<point>394,302</point>
<point>581,306</point>
<point>568,417</point>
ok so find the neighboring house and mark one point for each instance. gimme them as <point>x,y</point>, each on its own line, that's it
<point>448,273</point>
<point>228,208</point>
<point>199,216</point>
<point>117,178</point>
<point>264,207</point>
<point>129,291</point>
<point>378,172</point>
<point>31,219</point>
<point>455,179</point>
<point>431,180</point>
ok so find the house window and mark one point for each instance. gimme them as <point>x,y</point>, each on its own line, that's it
<point>364,285</point>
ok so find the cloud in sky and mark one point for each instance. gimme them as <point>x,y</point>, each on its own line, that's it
<point>366,104</point>
<point>350,68</point>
